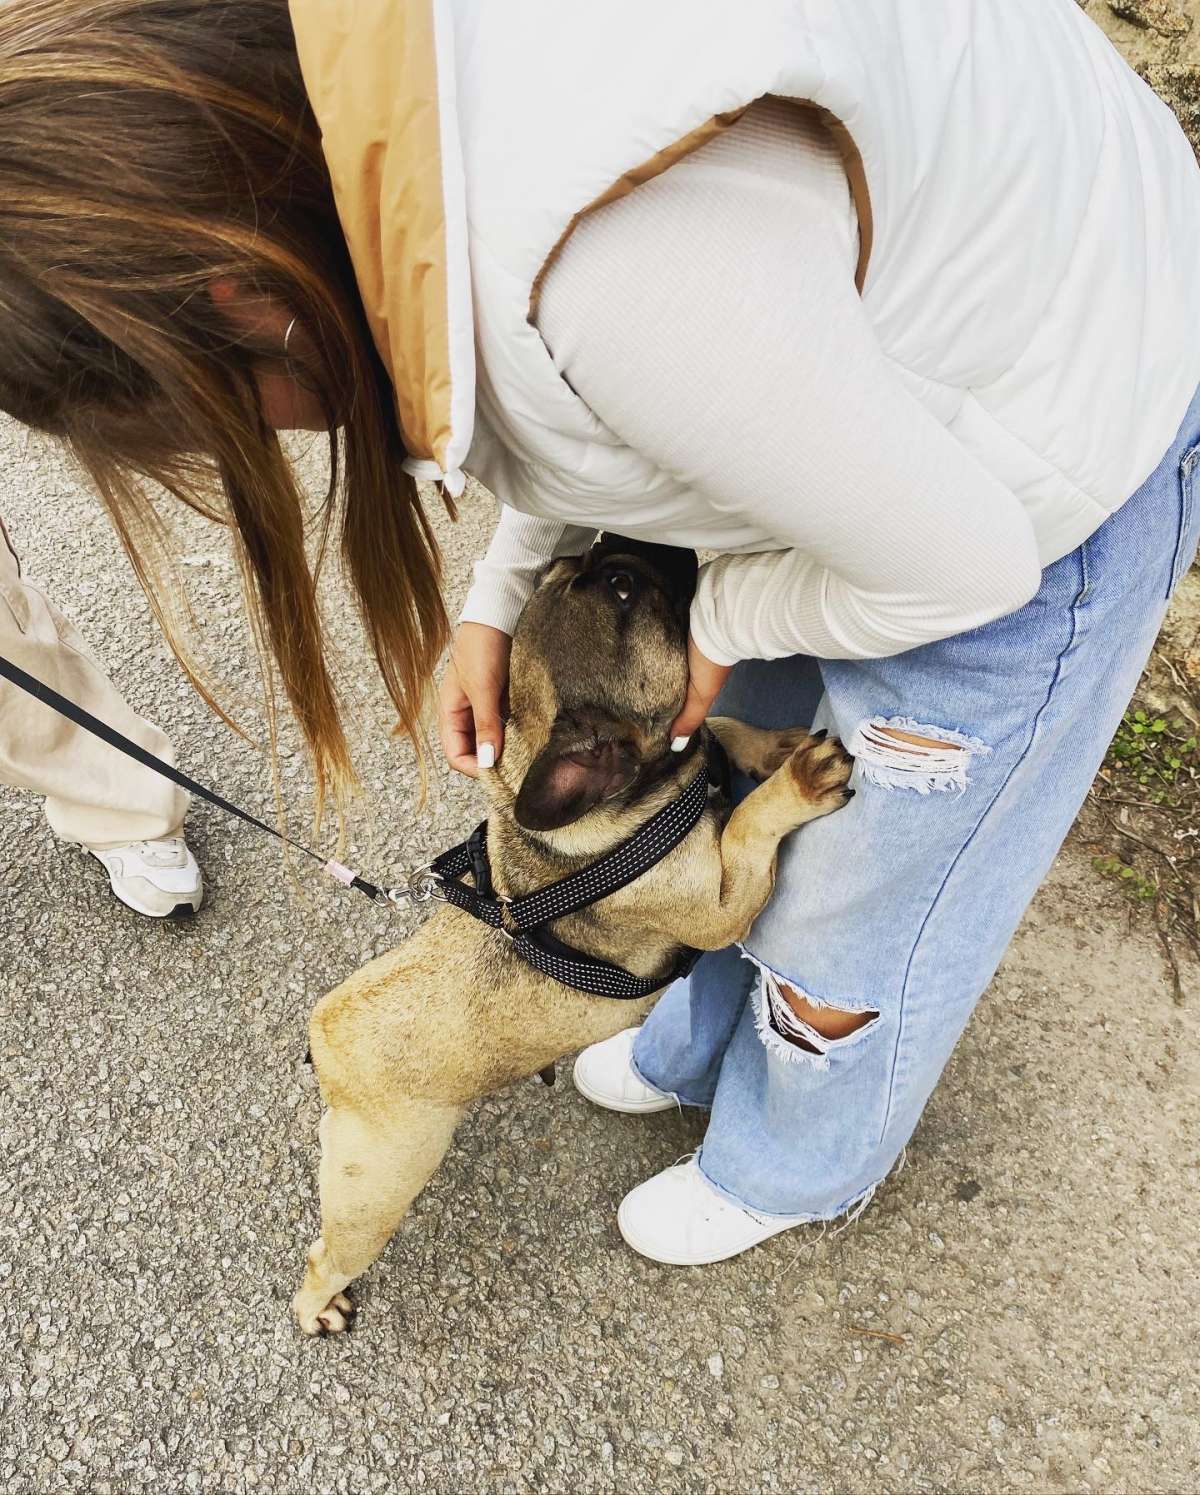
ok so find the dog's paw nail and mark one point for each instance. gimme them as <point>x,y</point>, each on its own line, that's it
<point>821,735</point>
<point>850,793</point>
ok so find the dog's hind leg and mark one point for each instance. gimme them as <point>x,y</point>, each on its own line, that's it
<point>372,1168</point>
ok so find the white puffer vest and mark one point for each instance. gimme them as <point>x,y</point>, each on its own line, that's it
<point>1034,218</point>
<point>1030,218</point>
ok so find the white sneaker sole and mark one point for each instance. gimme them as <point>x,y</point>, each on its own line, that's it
<point>674,1259</point>
<point>626,1107</point>
<point>184,908</point>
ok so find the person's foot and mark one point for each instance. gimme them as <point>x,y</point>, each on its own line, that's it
<point>678,1218</point>
<point>156,878</point>
<point>604,1073</point>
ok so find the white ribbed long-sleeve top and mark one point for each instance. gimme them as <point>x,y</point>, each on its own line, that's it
<point>711,321</point>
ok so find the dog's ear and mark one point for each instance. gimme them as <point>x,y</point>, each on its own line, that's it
<point>564,784</point>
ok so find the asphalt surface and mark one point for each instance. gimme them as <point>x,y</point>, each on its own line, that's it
<point>1015,1312</point>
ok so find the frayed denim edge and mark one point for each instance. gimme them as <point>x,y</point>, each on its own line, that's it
<point>851,1210</point>
<point>677,1096</point>
<point>770,1003</point>
<point>895,764</point>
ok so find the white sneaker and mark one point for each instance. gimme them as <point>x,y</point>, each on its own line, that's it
<point>678,1218</point>
<point>605,1074</point>
<point>156,878</point>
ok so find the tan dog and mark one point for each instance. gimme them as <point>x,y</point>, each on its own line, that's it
<point>599,671</point>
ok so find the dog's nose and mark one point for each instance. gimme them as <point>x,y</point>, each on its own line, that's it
<point>674,568</point>
<point>624,585</point>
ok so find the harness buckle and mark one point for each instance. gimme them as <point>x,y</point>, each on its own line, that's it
<point>507,925</point>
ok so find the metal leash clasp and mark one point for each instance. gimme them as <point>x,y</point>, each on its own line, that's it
<point>418,887</point>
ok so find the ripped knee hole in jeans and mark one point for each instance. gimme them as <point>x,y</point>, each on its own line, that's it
<point>892,753</point>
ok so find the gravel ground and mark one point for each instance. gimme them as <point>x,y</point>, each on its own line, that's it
<point>1016,1311</point>
<point>1013,1313</point>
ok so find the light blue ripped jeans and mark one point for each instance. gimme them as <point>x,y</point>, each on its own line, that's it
<point>903,903</point>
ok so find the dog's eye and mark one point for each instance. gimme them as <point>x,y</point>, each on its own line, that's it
<point>622,584</point>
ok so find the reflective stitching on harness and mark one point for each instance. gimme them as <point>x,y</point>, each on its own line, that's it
<point>523,920</point>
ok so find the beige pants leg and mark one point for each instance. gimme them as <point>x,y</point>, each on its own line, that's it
<point>94,794</point>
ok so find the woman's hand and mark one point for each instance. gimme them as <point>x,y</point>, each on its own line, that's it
<point>471,699</point>
<point>705,680</point>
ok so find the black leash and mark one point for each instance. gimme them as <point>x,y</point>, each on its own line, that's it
<point>522,920</point>
<point>34,687</point>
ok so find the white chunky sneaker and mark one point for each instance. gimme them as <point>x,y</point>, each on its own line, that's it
<point>605,1074</point>
<point>678,1218</point>
<point>156,878</point>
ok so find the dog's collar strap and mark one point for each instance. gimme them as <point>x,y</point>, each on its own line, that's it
<point>634,857</point>
<point>524,918</point>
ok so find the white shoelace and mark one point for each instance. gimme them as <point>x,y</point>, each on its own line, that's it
<point>163,853</point>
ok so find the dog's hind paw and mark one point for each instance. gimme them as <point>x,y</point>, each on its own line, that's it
<point>335,1318</point>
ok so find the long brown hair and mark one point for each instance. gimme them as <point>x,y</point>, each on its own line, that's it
<point>149,149</point>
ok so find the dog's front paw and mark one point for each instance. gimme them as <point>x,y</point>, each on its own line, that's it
<point>773,749</point>
<point>334,1318</point>
<point>820,768</point>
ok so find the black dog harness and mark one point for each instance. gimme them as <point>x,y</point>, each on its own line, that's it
<point>524,920</point>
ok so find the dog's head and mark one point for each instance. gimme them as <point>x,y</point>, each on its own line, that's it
<point>599,673</point>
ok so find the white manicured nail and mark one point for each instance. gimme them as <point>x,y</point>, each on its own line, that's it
<point>486,755</point>
<point>679,743</point>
